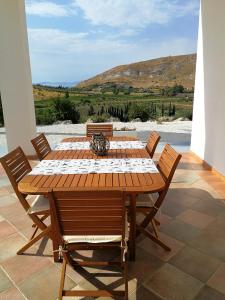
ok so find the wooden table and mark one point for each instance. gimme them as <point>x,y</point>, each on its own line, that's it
<point>132,183</point>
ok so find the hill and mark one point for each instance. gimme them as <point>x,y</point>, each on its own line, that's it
<point>160,72</point>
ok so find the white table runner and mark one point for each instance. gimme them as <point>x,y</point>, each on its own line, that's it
<point>113,145</point>
<point>91,166</point>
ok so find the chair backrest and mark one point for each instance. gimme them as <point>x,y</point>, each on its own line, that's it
<point>168,162</point>
<point>41,146</point>
<point>105,129</point>
<point>166,165</point>
<point>16,166</point>
<point>87,213</point>
<point>152,143</point>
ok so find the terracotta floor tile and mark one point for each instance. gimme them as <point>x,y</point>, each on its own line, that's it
<point>4,181</point>
<point>5,283</point>
<point>4,191</point>
<point>7,200</point>
<point>195,218</point>
<point>12,294</point>
<point>6,229</point>
<point>9,246</point>
<point>217,281</point>
<point>142,293</point>
<point>195,263</point>
<point>211,207</point>
<point>113,283</point>
<point>172,209</point>
<point>181,196</point>
<point>181,231</point>
<point>21,267</point>
<point>207,293</point>
<point>144,266</point>
<point>20,221</point>
<point>151,247</point>
<point>173,284</point>
<point>210,244</point>
<point>44,284</point>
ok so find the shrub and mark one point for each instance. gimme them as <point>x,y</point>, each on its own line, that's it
<point>100,118</point>
<point>139,111</point>
<point>65,110</point>
<point>45,116</point>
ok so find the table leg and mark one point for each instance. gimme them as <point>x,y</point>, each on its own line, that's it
<point>132,236</point>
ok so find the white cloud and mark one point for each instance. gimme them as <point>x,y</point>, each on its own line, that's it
<point>58,55</point>
<point>48,9</point>
<point>134,13</point>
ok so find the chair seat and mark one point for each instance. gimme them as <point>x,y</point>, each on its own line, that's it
<point>92,239</point>
<point>39,205</point>
<point>145,200</point>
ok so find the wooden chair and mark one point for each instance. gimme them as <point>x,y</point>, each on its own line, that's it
<point>16,167</point>
<point>89,220</point>
<point>41,146</point>
<point>152,143</point>
<point>166,165</point>
<point>106,129</point>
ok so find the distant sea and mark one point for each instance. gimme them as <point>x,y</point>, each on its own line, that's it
<point>60,83</point>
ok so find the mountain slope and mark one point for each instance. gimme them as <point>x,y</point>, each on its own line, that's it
<point>165,71</point>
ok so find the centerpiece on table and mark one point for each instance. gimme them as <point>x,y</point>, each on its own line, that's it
<point>99,144</point>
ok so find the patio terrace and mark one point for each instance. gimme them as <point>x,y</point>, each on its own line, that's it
<point>192,224</point>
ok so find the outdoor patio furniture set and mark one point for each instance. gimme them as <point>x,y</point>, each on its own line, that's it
<point>92,201</point>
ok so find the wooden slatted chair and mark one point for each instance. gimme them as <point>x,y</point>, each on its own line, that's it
<point>41,146</point>
<point>106,129</point>
<point>16,167</point>
<point>166,165</point>
<point>152,143</point>
<point>89,220</point>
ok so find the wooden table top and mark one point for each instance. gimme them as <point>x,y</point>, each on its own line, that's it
<point>129,182</point>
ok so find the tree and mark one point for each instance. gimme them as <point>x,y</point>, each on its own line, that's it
<point>174,110</point>
<point>162,110</point>
<point>67,95</point>
<point>139,111</point>
<point>91,111</point>
<point>102,111</point>
<point>65,110</point>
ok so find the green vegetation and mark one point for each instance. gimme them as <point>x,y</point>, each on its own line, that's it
<point>122,103</point>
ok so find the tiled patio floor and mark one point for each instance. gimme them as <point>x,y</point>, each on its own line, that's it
<point>192,224</point>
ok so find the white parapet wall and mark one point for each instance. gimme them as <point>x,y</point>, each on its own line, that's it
<point>208,129</point>
<point>15,76</point>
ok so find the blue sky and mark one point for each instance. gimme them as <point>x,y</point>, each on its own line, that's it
<point>72,40</point>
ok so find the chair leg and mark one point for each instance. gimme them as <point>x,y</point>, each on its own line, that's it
<point>125,280</point>
<point>42,219</point>
<point>153,238</point>
<point>154,228</point>
<point>157,222</point>
<point>34,233</point>
<point>34,240</point>
<point>62,281</point>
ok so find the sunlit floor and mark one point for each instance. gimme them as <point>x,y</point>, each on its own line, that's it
<point>192,224</point>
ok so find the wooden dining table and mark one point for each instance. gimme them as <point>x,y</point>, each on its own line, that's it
<point>131,183</point>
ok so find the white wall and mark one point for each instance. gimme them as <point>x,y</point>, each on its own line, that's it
<point>15,76</point>
<point>208,132</point>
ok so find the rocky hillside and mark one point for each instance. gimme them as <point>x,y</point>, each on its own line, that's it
<point>160,72</point>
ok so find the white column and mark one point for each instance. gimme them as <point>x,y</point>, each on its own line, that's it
<point>208,131</point>
<point>15,76</point>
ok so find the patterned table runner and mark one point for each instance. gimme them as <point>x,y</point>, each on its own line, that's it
<point>91,166</point>
<point>113,145</point>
